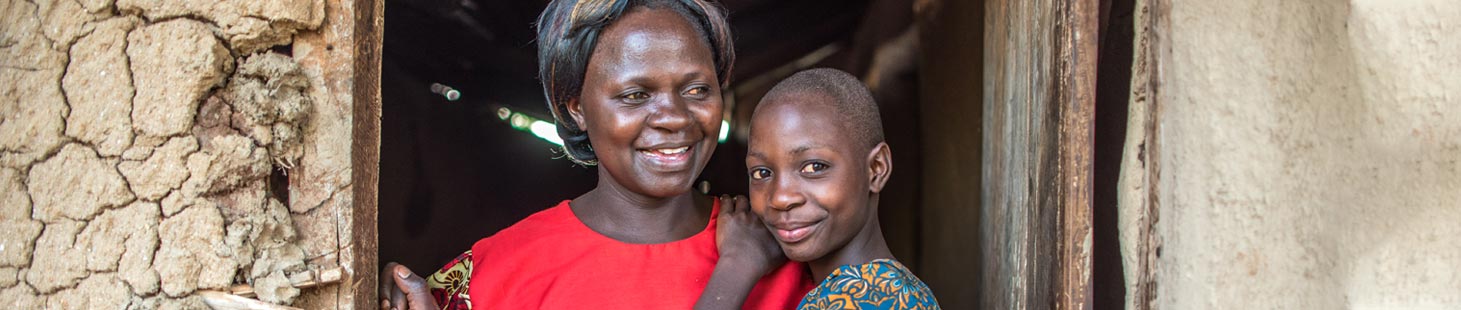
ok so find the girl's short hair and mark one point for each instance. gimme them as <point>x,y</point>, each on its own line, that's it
<point>568,30</point>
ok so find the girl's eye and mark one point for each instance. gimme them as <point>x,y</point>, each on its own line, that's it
<point>760,173</point>
<point>814,167</point>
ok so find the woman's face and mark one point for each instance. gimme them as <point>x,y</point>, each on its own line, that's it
<point>651,103</point>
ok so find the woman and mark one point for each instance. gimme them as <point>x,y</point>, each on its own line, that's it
<point>635,88</point>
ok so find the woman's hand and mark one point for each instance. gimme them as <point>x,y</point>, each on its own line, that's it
<point>743,240</point>
<point>747,252</point>
<point>401,289</point>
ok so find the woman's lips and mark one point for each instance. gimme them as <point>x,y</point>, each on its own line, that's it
<point>668,157</point>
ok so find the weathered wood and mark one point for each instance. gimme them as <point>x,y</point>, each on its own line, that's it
<point>1137,193</point>
<point>1079,44</point>
<point>1038,110</point>
<point>333,196</point>
<point>225,301</point>
<point>369,28</point>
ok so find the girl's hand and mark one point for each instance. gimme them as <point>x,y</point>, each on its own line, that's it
<point>747,252</point>
<point>743,241</point>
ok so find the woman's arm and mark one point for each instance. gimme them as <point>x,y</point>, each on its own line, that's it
<point>747,252</point>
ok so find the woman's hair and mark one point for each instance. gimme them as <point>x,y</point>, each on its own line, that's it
<point>568,30</point>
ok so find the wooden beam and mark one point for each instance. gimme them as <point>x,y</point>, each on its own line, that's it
<point>359,250</point>
<point>1079,44</point>
<point>1040,64</point>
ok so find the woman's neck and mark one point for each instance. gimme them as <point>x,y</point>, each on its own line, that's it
<point>867,246</point>
<point>622,214</point>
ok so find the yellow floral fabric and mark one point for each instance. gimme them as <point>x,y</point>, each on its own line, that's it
<point>879,284</point>
<point>449,284</point>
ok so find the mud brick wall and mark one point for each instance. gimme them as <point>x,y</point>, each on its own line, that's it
<point>150,149</point>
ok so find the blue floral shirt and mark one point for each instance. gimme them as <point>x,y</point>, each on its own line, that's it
<point>879,284</point>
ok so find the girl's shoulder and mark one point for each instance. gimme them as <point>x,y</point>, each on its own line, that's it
<point>879,284</point>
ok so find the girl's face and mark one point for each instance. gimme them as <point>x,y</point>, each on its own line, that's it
<point>651,103</point>
<point>810,184</point>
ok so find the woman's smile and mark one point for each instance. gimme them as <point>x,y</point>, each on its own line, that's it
<point>668,158</point>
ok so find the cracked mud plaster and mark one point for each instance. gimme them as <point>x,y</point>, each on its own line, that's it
<point>18,231</point>
<point>98,85</point>
<point>67,20</point>
<point>190,254</point>
<point>174,64</point>
<point>265,242</point>
<point>270,99</point>
<point>134,161</point>
<point>98,291</point>
<point>124,240</point>
<point>250,26</point>
<point>76,184</point>
<point>163,171</point>
<point>58,262</point>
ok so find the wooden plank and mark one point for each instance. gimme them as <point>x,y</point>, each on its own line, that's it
<point>359,257</point>
<point>1038,113</point>
<point>1079,44</point>
<point>1137,196</point>
<point>1017,88</point>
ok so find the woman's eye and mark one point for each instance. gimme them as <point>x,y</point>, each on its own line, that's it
<point>760,174</point>
<point>637,96</point>
<point>814,167</point>
<point>698,92</point>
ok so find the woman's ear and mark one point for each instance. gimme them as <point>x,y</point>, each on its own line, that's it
<point>575,111</point>
<point>880,166</point>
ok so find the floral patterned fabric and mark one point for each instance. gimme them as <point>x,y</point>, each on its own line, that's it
<point>449,285</point>
<point>879,284</point>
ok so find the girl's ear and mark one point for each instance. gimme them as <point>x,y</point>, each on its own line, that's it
<point>575,111</point>
<point>880,166</point>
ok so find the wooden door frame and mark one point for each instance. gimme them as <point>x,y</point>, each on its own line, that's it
<point>1039,104</point>
<point>363,243</point>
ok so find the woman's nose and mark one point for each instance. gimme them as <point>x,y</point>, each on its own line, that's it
<point>671,113</point>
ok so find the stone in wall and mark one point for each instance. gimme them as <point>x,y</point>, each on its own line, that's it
<point>163,171</point>
<point>17,231</point>
<point>58,263</point>
<point>98,86</point>
<point>124,240</point>
<point>189,258</point>
<point>174,64</point>
<point>76,184</point>
<point>270,99</point>
<point>250,26</point>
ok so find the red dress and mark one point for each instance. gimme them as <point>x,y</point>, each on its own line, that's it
<point>551,260</point>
